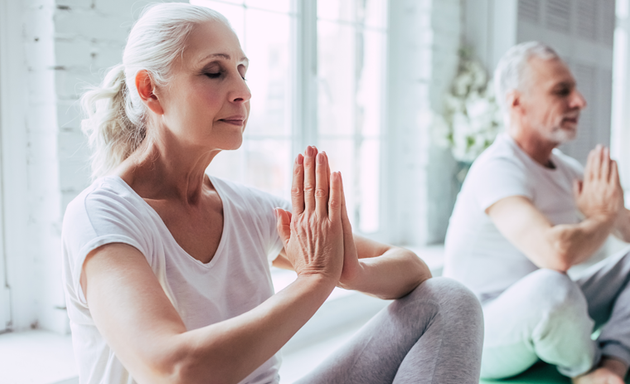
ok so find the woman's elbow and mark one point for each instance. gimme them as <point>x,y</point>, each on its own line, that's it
<point>180,364</point>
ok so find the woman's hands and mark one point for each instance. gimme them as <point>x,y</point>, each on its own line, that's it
<point>313,235</point>
<point>321,242</point>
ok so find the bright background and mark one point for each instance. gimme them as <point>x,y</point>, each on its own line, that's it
<point>358,78</point>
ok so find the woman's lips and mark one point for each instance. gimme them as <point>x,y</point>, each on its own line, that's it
<point>234,120</point>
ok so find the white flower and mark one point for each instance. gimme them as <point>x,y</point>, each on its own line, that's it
<point>472,118</point>
<point>454,104</point>
<point>478,108</point>
<point>462,84</point>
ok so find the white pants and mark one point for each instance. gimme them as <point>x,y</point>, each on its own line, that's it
<point>547,316</point>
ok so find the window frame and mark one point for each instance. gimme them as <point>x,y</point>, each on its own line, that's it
<point>304,104</point>
<point>9,47</point>
<point>621,95</point>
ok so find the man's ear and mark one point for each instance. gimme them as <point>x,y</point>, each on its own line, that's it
<point>145,87</point>
<point>514,101</point>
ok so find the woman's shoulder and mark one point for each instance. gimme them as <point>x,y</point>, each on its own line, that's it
<point>104,191</point>
<point>107,200</point>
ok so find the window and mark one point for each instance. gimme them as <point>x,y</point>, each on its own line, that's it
<point>4,123</point>
<point>317,77</point>
<point>621,81</point>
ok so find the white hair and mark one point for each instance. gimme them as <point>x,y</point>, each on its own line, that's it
<point>116,117</point>
<point>511,71</point>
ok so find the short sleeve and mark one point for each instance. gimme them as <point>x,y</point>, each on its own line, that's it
<point>274,242</point>
<point>496,179</point>
<point>93,220</point>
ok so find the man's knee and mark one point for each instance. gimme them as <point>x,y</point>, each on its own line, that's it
<point>553,293</point>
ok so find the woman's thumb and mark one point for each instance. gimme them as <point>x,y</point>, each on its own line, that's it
<point>283,224</point>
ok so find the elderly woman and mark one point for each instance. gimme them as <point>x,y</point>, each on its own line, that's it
<point>166,268</point>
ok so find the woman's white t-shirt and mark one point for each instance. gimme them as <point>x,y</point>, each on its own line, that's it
<point>236,280</point>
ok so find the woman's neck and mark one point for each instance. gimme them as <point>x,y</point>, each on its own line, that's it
<point>164,169</point>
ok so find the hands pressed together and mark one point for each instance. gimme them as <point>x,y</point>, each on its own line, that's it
<point>600,193</point>
<point>317,235</point>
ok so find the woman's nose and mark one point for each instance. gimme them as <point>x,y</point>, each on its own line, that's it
<point>241,92</point>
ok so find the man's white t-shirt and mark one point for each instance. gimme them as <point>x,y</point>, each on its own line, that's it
<point>236,280</point>
<point>476,253</point>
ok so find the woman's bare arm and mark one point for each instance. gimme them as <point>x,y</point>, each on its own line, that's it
<point>141,325</point>
<point>383,271</point>
<point>145,331</point>
<point>379,270</point>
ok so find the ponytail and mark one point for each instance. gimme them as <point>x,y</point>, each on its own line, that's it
<point>111,133</point>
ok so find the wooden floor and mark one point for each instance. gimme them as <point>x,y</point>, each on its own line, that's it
<point>540,373</point>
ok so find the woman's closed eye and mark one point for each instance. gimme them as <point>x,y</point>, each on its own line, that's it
<point>214,75</point>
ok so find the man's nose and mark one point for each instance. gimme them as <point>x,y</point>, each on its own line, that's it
<point>578,100</point>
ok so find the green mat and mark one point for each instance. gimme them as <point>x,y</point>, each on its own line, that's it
<point>540,373</point>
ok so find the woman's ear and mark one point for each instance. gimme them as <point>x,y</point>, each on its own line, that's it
<point>145,87</point>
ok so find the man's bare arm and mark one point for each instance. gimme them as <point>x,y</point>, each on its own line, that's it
<point>600,198</point>
<point>555,247</point>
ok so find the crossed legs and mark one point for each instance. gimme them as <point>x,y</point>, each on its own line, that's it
<point>432,335</point>
<point>548,316</point>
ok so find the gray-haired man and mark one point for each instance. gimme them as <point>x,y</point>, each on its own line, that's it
<point>516,230</point>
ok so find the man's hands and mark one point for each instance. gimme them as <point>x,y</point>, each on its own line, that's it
<point>600,194</point>
<point>313,235</point>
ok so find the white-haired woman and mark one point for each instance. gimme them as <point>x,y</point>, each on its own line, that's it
<point>165,268</point>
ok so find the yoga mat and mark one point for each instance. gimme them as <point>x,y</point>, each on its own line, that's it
<point>540,373</point>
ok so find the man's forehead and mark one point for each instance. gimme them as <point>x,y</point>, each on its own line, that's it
<point>549,72</point>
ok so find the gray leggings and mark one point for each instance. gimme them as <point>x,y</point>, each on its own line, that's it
<point>433,335</point>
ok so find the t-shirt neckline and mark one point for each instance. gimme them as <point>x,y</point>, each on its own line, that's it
<point>152,211</point>
<point>552,158</point>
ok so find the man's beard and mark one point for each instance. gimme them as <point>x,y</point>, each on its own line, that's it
<point>560,135</point>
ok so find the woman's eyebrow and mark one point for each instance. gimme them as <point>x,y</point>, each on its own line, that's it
<point>224,56</point>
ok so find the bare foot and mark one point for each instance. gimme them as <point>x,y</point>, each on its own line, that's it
<point>610,371</point>
<point>600,375</point>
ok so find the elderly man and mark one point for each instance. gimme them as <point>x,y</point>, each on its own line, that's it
<point>525,215</point>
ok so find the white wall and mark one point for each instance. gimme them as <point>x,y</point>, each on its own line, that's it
<point>57,48</point>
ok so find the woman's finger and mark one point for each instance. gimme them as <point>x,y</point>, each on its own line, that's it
<point>597,163</point>
<point>614,173</point>
<point>588,170</point>
<point>321,185</point>
<point>309,178</point>
<point>336,197</point>
<point>297,186</point>
<point>327,166</point>
<point>347,227</point>
<point>605,161</point>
